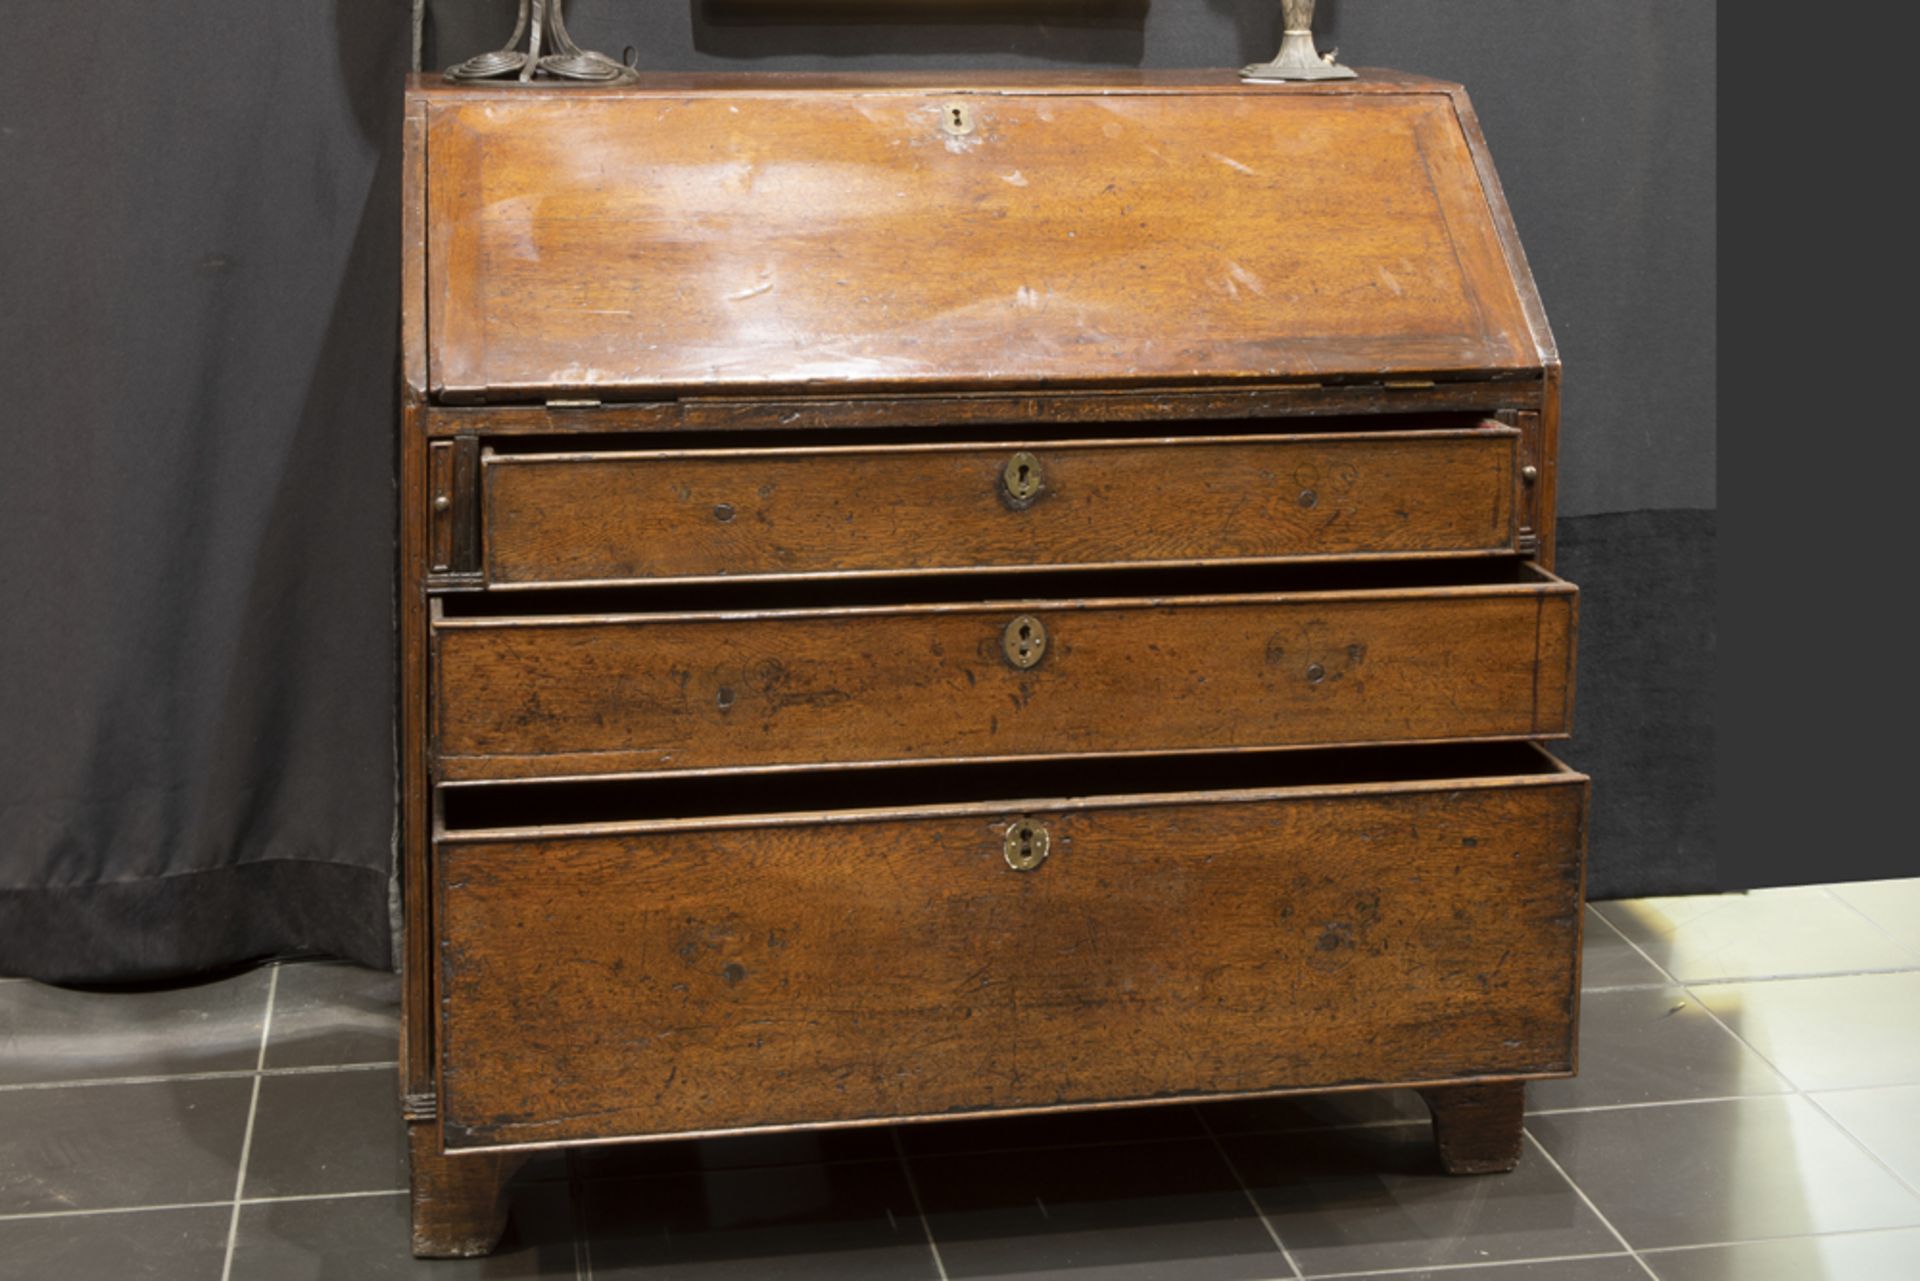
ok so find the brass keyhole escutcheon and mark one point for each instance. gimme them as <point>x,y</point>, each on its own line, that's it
<point>957,119</point>
<point>1021,478</point>
<point>1024,642</point>
<point>1026,844</point>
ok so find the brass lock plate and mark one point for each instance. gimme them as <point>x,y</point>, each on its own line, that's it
<point>1024,642</point>
<point>1026,844</point>
<point>1021,480</point>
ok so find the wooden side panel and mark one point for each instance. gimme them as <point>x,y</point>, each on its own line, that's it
<point>416,942</point>
<point>1543,434</point>
<point>1548,451</point>
<point>583,518</point>
<point>413,251</point>
<point>702,980</point>
<point>1500,214</point>
<point>540,697</point>
<point>1553,684</point>
<point>658,244</point>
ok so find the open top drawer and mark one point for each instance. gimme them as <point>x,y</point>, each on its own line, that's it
<point>703,514</point>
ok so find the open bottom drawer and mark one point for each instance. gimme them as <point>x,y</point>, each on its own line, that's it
<point>919,943</point>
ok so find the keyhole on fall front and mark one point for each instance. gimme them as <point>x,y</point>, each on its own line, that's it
<point>956,119</point>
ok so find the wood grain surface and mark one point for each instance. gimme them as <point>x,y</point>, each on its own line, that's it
<point>787,329</point>
<point>529,696</point>
<point>635,516</point>
<point>663,981</point>
<point>685,239</point>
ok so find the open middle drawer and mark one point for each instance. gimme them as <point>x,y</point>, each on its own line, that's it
<point>1477,649</point>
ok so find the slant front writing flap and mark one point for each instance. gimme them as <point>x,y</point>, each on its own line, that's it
<point>684,240</point>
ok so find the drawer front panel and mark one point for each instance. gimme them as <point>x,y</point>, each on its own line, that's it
<point>560,518</point>
<point>556,697</point>
<point>667,981</point>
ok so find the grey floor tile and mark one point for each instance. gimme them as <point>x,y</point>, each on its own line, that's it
<point>1863,1256</point>
<point>144,1245</point>
<point>1053,1129</point>
<point>1739,1170</point>
<point>325,1013</point>
<point>60,1034</point>
<point>88,1147</point>
<point>326,1133</point>
<point>1836,1033</point>
<point>846,1222</point>
<point>1650,1045</point>
<point>1313,1111</point>
<point>1619,1267</point>
<point>1143,1212</point>
<point>1886,1119</point>
<point>369,1239</point>
<point>747,1151</point>
<point>1892,905</point>
<point>1608,960</point>
<point>1765,934</point>
<point>1375,1199</point>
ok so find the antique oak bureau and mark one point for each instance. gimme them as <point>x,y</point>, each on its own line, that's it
<point>926,598</point>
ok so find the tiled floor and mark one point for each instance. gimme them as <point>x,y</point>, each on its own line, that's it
<point>1748,1110</point>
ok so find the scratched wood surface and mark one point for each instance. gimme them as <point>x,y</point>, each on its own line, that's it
<point>663,241</point>
<point>529,696</point>
<point>667,981</point>
<point>769,514</point>
<point>799,254</point>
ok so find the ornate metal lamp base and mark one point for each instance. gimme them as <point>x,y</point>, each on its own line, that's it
<point>1297,60</point>
<point>568,61</point>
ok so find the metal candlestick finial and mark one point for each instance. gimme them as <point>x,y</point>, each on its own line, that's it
<point>568,61</point>
<point>1297,59</point>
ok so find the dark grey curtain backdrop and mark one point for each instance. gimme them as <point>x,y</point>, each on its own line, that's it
<point>198,223</point>
<point>198,259</point>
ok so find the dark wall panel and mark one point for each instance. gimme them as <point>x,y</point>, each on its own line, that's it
<point>1643,709</point>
